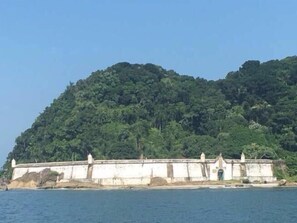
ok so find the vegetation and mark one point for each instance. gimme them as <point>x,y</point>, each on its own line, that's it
<point>128,111</point>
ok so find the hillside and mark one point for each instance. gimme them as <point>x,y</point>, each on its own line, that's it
<point>133,110</point>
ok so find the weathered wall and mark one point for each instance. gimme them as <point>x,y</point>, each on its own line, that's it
<point>259,171</point>
<point>71,170</point>
<point>140,172</point>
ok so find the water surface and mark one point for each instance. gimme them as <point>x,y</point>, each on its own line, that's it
<point>166,206</point>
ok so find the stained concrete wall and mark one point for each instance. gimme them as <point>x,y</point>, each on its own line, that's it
<point>237,171</point>
<point>71,170</point>
<point>259,172</point>
<point>140,172</point>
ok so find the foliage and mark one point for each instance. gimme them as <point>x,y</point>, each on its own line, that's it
<point>133,110</point>
<point>255,151</point>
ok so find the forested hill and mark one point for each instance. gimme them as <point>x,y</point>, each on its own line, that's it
<point>130,110</point>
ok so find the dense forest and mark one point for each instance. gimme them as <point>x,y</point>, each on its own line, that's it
<point>131,110</point>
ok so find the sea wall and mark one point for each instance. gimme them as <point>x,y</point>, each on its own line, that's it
<point>70,170</point>
<point>136,172</point>
<point>141,172</point>
<point>260,171</point>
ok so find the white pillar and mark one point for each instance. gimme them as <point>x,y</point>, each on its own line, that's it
<point>242,159</point>
<point>90,159</point>
<point>202,157</point>
<point>13,163</point>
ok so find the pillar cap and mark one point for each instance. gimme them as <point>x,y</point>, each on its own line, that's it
<point>13,163</point>
<point>202,157</point>
<point>242,158</point>
<point>90,159</point>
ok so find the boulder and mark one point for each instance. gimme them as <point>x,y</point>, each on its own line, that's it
<point>245,181</point>
<point>282,182</point>
<point>44,179</point>
<point>22,184</point>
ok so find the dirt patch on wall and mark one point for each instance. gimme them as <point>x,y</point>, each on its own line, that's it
<point>158,181</point>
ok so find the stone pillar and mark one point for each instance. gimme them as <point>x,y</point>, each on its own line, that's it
<point>204,166</point>
<point>220,161</point>
<point>90,167</point>
<point>243,172</point>
<point>90,159</point>
<point>242,159</point>
<point>13,163</point>
<point>170,170</point>
<point>232,168</point>
<point>202,157</point>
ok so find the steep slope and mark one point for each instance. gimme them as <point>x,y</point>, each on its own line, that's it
<point>266,94</point>
<point>121,112</point>
<point>130,110</point>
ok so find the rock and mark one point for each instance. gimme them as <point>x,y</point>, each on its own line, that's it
<point>3,184</point>
<point>3,187</point>
<point>47,175</point>
<point>48,185</point>
<point>22,184</point>
<point>76,184</point>
<point>245,181</point>
<point>44,179</point>
<point>27,177</point>
<point>282,182</point>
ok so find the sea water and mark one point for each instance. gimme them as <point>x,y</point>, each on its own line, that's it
<point>166,206</point>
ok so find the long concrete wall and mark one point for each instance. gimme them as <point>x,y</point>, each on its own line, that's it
<point>141,172</point>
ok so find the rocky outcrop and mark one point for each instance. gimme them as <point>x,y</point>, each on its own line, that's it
<point>3,184</point>
<point>45,179</point>
<point>282,182</point>
<point>22,184</point>
<point>77,185</point>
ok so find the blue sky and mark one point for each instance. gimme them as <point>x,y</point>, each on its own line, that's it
<point>44,45</point>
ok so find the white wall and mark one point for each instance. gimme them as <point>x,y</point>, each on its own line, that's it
<point>260,172</point>
<point>236,171</point>
<point>70,172</point>
<point>140,172</point>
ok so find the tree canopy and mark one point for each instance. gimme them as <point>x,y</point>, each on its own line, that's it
<point>133,110</point>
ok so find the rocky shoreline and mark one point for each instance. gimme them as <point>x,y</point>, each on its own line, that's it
<point>3,184</point>
<point>48,179</point>
<point>15,185</point>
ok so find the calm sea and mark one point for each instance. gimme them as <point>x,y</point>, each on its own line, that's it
<point>168,206</point>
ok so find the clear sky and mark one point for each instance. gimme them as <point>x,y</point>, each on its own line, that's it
<point>44,45</point>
